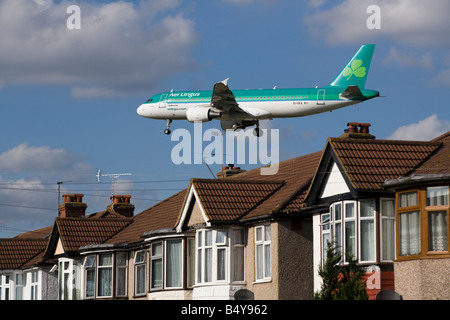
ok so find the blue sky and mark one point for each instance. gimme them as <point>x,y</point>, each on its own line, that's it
<point>68,98</point>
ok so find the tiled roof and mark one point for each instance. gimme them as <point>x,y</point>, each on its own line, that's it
<point>14,253</point>
<point>160,216</point>
<point>439,162</point>
<point>228,199</point>
<point>368,163</point>
<point>75,232</point>
<point>297,174</point>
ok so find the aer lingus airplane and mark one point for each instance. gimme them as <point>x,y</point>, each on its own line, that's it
<point>244,108</point>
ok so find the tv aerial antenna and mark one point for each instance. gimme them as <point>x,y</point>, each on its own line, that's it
<point>113,177</point>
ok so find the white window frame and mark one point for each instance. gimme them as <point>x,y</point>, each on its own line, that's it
<point>18,286</point>
<point>263,242</point>
<point>348,220</point>
<point>220,245</point>
<point>325,226</point>
<point>65,284</point>
<point>166,264</point>
<point>90,264</point>
<point>105,268</point>
<point>140,264</point>
<point>154,257</point>
<point>5,286</point>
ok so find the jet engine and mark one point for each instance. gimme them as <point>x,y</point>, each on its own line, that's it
<point>201,114</point>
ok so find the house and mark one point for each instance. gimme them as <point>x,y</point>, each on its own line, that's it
<point>352,207</point>
<point>250,236</point>
<point>24,275</point>
<point>71,232</point>
<point>422,267</point>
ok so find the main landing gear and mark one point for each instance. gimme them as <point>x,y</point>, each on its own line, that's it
<point>257,132</point>
<point>168,121</point>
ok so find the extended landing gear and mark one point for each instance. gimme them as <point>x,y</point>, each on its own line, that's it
<point>257,132</point>
<point>168,121</point>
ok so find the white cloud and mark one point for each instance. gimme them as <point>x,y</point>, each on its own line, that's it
<point>399,58</point>
<point>424,130</point>
<point>121,47</point>
<point>26,158</point>
<point>416,22</point>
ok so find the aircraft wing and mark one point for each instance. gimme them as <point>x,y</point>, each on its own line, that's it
<point>223,99</point>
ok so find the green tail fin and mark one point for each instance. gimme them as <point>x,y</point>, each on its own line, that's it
<point>355,72</point>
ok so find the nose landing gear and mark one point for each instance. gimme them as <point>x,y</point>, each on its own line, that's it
<point>168,121</point>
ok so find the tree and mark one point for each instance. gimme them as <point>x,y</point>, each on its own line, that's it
<point>341,282</point>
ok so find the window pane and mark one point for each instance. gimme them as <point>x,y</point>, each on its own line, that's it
<point>267,233</point>
<point>208,238</point>
<point>367,240</point>
<point>121,259</point>
<point>388,239</point>
<point>104,282</point>
<point>174,263</point>
<point>157,249</point>
<point>157,273</point>
<point>409,238</point>
<point>199,266</point>
<point>350,239</point>
<point>367,208</point>
<point>437,196</point>
<point>326,239</point>
<point>208,265</point>
<point>259,262</point>
<point>105,260</point>
<point>90,283</point>
<point>258,233</point>
<point>140,279</point>
<point>437,231</point>
<point>387,208</point>
<point>338,212</point>
<point>221,263</point>
<point>338,236</point>
<point>238,236</point>
<point>121,281</point>
<point>140,257</point>
<point>238,264</point>
<point>349,210</point>
<point>267,268</point>
<point>407,199</point>
<point>221,236</point>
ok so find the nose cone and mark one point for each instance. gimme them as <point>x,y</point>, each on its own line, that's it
<point>141,110</point>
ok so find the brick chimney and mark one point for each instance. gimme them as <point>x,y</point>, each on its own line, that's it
<point>231,170</point>
<point>121,204</point>
<point>72,206</point>
<point>356,130</point>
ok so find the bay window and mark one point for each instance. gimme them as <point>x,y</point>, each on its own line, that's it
<point>166,264</point>
<point>352,226</point>
<point>423,221</point>
<point>220,255</point>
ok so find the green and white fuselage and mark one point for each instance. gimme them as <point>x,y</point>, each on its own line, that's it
<point>242,108</point>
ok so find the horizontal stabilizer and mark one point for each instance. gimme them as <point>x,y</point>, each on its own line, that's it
<point>351,92</point>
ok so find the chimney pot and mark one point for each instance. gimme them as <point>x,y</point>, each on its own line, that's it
<point>352,127</point>
<point>72,206</point>
<point>121,205</point>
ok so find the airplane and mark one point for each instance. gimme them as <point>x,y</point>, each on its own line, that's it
<point>239,109</point>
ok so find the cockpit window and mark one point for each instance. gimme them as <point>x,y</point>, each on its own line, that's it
<point>149,100</point>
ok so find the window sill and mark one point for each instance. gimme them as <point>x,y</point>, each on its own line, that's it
<point>262,281</point>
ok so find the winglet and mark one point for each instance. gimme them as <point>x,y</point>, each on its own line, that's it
<point>225,82</point>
